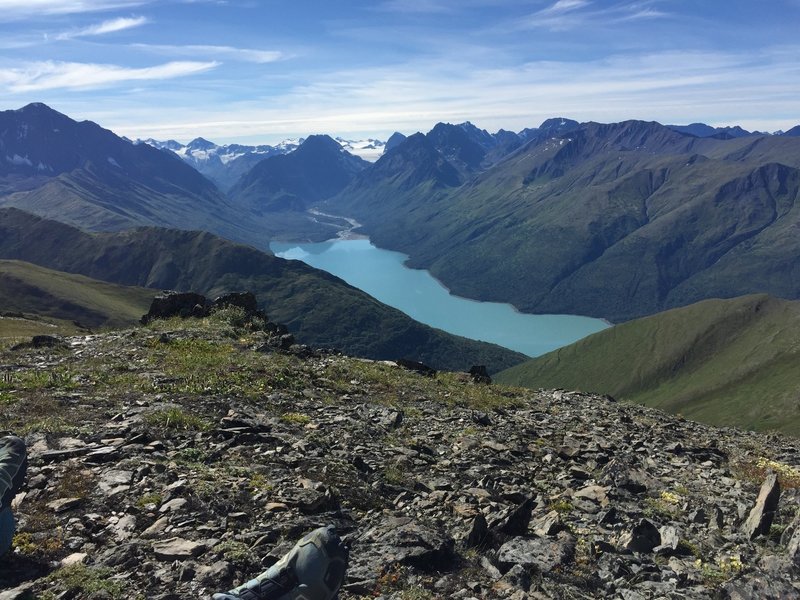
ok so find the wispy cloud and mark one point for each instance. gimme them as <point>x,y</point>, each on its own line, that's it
<point>12,10</point>
<point>757,91</point>
<point>50,75</point>
<point>110,26</point>
<point>433,7</point>
<point>564,6</point>
<point>210,51</point>
<point>570,14</point>
<point>416,6</point>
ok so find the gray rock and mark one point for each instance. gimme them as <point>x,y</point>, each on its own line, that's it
<point>517,577</point>
<point>643,538</point>
<point>177,549</point>
<point>763,512</point>
<point>516,523</point>
<point>549,524</point>
<point>478,532</point>
<point>542,553</point>
<point>399,540</point>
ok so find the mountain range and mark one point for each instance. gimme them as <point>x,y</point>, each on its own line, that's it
<point>608,220</point>
<point>318,169</point>
<point>226,164</point>
<point>618,221</point>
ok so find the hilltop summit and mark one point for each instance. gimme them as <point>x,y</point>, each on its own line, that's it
<point>177,459</point>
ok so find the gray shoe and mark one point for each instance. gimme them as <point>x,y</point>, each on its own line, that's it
<point>13,465</point>
<point>313,570</point>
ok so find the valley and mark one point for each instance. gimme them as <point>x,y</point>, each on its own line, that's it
<point>383,275</point>
<point>507,293</point>
<point>614,221</point>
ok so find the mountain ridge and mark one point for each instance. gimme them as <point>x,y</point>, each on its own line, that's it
<point>318,308</point>
<point>607,220</point>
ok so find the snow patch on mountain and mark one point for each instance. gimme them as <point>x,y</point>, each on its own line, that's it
<point>369,149</point>
<point>19,160</point>
<point>201,151</point>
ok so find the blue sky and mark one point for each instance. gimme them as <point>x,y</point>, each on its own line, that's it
<point>260,71</point>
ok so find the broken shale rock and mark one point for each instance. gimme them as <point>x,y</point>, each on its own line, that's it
<point>763,512</point>
<point>185,467</point>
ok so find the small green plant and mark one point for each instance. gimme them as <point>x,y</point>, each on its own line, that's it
<point>80,580</point>
<point>561,506</point>
<point>730,565</point>
<point>726,567</point>
<point>149,499</point>
<point>259,482</point>
<point>756,471</point>
<point>296,418</point>
<point>177,418</point>
<point>394,475</point>
<point>239,554</point>
<point>190,456</point>
<point>415,592</point>
<point>666,505</point>
<point>670,498</point>
<point>76,483</point>
<point>689,548</point>
<point>24,543</point>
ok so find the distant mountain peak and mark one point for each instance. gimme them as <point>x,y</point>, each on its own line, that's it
<point>36,107</point>
<point>394,140</point>
<point>320,140</point>
<point>200,144</point>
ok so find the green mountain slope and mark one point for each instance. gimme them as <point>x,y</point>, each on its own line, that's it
<point>614,221</point>
<point>723,362</point>
<point>31,289</point>
<point>319,308</point>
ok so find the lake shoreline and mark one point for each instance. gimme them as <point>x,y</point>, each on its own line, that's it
<point>384,275</point>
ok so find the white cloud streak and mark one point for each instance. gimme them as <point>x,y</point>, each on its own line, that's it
<point>209,51</point>
<point>51,75</point>
<point>570,14</point>
<point>12,10</point>
<point>563,6</point>
<point>674,87</point>
<point>110,26</point>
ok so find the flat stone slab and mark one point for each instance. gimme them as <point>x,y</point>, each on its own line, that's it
<point>177,549</point>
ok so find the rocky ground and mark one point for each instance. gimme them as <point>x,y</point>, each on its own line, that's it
<point>177,459</point>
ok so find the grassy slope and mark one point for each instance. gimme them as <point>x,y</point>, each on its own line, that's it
<point>724,362</point>
<point>31,289</point>
<point>14,329</point>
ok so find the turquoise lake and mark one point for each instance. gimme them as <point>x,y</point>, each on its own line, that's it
<point>383,275</point>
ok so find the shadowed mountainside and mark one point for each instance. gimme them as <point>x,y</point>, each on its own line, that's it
<point>84,175</point>
<point>315,171</point>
